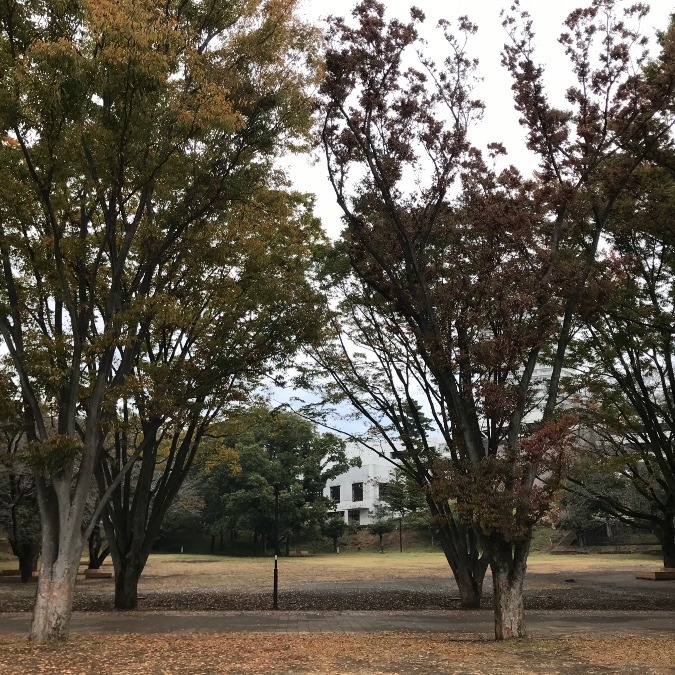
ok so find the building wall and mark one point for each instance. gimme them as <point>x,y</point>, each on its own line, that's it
<point>373,470</point>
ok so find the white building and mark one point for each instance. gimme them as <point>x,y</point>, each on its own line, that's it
<point>356,493</point>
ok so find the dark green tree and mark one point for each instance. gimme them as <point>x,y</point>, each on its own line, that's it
<point>333,529</point>
<point>383,524</point>
<point>403,496</point>
<point>273,451</point>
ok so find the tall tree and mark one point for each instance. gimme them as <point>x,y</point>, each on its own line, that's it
<point>368,361</point>
<point>135,126</point>
<point>235,312</point>
<point>488,282</point>
<point>625,358</point>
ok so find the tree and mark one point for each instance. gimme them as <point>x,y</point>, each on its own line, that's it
<point>134,126</point>
<point>368,360</point>
<point>625,361</point>
<point>334,528</point>
<point>19,515</point>
<point>381,525</point>
<point>488,282</point>
<point>582,509</point>
<point>217,335</point>
<point>275,451</point>
<point>403,496</point>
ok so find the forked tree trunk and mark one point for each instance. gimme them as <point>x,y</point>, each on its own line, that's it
<point>127,574</point>
<point>508,563</point>
<point>470,586</point>
<point>54,599</point>
<point>463,553</point>
<point>62,544</point>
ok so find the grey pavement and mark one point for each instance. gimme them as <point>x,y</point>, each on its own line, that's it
<point>539,623</point>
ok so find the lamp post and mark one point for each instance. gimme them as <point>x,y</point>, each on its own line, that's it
<point>275,603</point>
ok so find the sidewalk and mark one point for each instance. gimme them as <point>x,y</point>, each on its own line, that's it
<point>540,623</point>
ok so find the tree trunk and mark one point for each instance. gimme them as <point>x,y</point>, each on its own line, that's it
<point>28,555</point>
<point>61,545</point>
<point>461,548</point>
<point>95,543</point>
<point>127,574</point>
<point>470,587</point>
<point>508,563</point>
<point>54,599</point>
<point>667,537</point>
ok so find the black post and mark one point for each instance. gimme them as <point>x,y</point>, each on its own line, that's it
<point>275,604</point>
<point>400,533</point>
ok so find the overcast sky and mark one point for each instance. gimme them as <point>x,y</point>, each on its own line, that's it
<point>500,121</point>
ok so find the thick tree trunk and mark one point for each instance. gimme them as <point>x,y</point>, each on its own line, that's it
<point>127,574</point>
<point>508,563</point>
<point>54,599</point>
<point>62,541</point>
<point>667,537</point>
<point>470,586</point>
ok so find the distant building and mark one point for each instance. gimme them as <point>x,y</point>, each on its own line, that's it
<point>356,493</point>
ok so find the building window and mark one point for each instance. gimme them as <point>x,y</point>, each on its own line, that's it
<point>357,492</point>
<point>383,489</point>
<point>354,517</point>
<point>335,493</point>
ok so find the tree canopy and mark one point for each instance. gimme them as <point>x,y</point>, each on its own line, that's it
<point>271,453</point>
<point>137,131</point>
<point>486,267</point>
<point>624,359</point>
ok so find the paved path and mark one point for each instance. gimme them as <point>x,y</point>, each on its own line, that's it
<point>549,623</point>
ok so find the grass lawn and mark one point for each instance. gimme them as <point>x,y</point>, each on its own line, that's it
<point>229,573</point>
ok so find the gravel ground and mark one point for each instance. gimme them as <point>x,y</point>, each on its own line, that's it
<point>556,591</point>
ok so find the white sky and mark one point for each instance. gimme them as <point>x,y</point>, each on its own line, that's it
<point>500,120</point>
